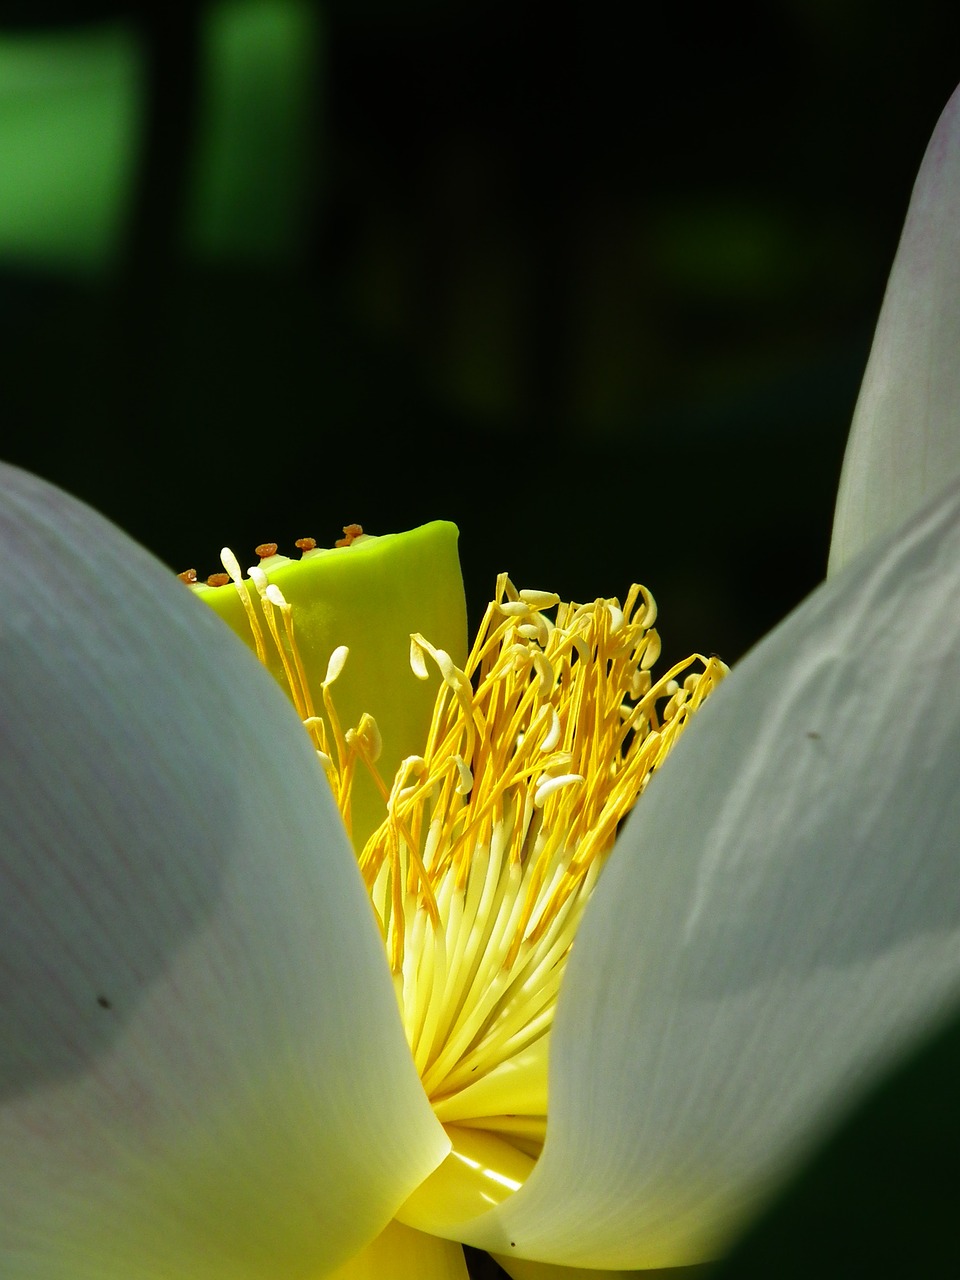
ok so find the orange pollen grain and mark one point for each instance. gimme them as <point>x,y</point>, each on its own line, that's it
<point>305,544</point>
<point>218,579</point>
<point>265,550</point>
<point>188,575</point>
<point>350,532</point>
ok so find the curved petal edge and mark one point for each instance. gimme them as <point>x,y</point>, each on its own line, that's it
<point>780,918</point>
<point>202,1067</point>
<point>904,444</point>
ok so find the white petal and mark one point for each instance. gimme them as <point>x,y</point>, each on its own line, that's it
<point>202,1068</point>
<point>904,443</point>
<point>401,1253</point>
<point>780,916</point>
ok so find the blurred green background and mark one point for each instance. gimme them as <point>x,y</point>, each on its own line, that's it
<point>602,295</point>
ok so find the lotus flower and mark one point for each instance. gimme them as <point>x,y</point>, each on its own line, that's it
<point>204,1071</point>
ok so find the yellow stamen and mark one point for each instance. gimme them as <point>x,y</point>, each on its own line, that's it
<point>537,751</point>
<point>492,840</point>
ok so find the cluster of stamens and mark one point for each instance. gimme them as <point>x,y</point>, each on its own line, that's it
<point>493,837</point>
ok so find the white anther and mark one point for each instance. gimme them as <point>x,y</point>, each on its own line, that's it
<point>539,599</point>
<point>616,616</point>
<point>581,644</point>
<point>651,650</point>
<point>368,733</point>
<point>553,733</point>
<point>276,596</point>
<point>231,564</point>
<point>545,673</point>
<point>547,786</point>
<point>451,673</point>
<point>639,684</point>
<point>650,612</point>
<point>258,578</point>
<point>465,784</point>
<point>535,628</point>
<point>335,664</point>
<point>418,659</point>
<point>411,769</point>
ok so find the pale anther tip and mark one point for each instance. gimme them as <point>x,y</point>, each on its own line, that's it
<point>549,785</point>
<point>336,664</point>
<point>231,564</point>
<point>539,599</point>
<point>418,661</point>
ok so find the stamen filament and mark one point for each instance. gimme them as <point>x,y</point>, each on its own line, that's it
<point>493,839</point>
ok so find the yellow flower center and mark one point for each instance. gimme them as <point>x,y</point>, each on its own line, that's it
<point>493,836</point>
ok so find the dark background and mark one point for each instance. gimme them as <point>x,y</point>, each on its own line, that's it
<point>600,293</point>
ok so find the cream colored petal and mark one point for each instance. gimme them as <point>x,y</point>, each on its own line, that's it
<point>780,917</point>
<point>401,1253</point>
<point>905,439</point>
<point>202,1069</point>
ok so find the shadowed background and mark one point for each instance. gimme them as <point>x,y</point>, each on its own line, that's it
<point>270,266</point>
